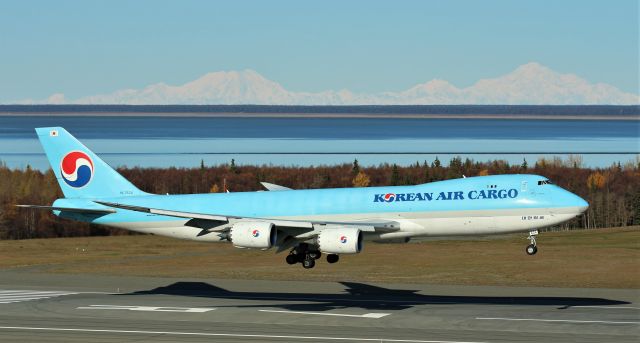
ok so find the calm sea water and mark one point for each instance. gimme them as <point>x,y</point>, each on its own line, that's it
<point>184,142</point>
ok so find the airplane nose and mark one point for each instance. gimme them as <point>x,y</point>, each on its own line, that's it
<point>583,205</point>
<point>572,200</point>
<point>578,202</point>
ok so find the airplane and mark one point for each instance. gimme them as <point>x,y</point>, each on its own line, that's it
<point>308,222</point>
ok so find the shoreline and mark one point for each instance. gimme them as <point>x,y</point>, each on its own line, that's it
<point>325,115</point>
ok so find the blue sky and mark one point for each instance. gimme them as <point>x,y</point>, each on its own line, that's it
<point>88,47</point>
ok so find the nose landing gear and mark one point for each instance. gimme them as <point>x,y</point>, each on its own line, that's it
<point>532,248</point>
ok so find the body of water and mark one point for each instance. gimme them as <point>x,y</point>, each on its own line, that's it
<point>185,141</point>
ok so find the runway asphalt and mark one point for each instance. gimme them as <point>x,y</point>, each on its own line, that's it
<point>36,307</point>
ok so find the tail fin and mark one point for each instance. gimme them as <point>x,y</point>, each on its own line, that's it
<point>80,173</point>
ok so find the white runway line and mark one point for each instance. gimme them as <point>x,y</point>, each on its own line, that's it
<point>366,315</point>
<point>213,334</point>
<point>557,320</point>
<point>14,296</point>
<point>148,308</point>
<point>8,301</point>
<point>610,307</point>
<point>18,296</point>
<point>26,291</point>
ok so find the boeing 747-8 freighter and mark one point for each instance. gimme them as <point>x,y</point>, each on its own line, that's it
<point>309,222</point>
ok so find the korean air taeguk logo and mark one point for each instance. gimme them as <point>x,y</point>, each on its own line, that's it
<point>76,169</point>
<point>255,233</point>
<point>343,239</point>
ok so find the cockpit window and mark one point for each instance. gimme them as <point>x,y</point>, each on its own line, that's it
<point>544,182</point>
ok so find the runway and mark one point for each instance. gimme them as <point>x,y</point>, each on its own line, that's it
<point>85,308</point>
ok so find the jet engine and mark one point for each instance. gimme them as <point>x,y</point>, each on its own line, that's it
<point>259,235</point>
<point>340,241</point>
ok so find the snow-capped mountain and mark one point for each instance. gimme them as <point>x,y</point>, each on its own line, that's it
<point>536,84</point>
<point>530,84</point>
<point>233,87</point>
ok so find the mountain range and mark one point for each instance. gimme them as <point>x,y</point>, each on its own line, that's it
<point>529,84</point>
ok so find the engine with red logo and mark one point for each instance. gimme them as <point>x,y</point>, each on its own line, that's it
<point>258,235</point>
<point>340,241</point>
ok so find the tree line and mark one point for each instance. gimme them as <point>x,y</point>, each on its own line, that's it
<point>613,193</point>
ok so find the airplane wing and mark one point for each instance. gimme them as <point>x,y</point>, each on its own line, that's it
<point>273,187</point>
<point>373,226</point>
<point>165,212</point>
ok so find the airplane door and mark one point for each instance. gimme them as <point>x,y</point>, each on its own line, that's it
<point>524,186</point>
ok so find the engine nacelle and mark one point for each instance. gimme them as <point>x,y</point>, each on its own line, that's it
<point>259,235</point>
<point>340,241</point>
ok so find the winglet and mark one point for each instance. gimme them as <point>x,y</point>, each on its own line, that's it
<point>274,187</point>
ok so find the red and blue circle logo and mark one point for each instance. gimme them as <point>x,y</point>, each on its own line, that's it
<point>343,239</point>
<point>255,233</point>
<point>389,197</point>
<point>76,169</point>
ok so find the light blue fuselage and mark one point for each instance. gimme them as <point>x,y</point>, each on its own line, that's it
<point>331,221</point>
<point>474,205</point>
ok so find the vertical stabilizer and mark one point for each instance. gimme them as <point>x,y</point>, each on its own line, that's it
<point>80,172</point>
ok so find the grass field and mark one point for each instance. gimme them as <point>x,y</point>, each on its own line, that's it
<point>605,258</point>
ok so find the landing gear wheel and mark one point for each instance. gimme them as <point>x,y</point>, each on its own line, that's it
<point>333,258</point>
<point>308,263</point>
<point>531,249</point>
<point>292,259</point>
<point>315,254</point>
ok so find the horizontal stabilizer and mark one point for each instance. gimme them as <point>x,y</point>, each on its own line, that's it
<point>71,209</point>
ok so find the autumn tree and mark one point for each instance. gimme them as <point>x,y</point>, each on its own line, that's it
<point>596,181</point>
<point>361,180</point>
<point>214,188</point>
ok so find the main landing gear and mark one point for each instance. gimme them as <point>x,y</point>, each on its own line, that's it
<point>532,248</point>
<point>333,258</point>
<point>307,255</point>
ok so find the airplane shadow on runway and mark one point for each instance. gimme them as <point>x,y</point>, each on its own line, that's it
<point>364,296</point>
